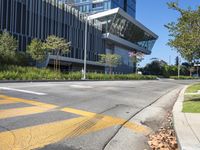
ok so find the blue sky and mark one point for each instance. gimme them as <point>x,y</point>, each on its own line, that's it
<point>154,14</point>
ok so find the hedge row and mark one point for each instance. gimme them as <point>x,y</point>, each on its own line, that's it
<point>183,77</point>
<point>32,73</point>
<point>95,76</point>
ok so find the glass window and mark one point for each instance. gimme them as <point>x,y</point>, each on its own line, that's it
<point>97,5</point>
<point>131,11</point>
<point>127,30</point>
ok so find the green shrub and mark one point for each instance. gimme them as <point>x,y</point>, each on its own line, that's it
<point>183,77</point>
<point>95,76</point>
<point>11,72</point>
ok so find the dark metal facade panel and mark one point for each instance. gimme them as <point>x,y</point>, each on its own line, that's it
<point>28,19</point>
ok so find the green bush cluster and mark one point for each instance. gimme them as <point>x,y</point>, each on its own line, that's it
<point>95,76</point>
<point>183,77</point>
<point>27,73</point>
<point>11,72</point>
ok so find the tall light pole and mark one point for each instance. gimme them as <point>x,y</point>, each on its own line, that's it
<point>85,50</point>
<point>179,68</point>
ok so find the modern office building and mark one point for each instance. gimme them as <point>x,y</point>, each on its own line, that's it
<point>122,33</point>
<point>28,19</point>
<point>108,31</point>
<point>96,6</point>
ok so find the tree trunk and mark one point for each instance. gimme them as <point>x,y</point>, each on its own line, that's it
<point>110,70</point>
<point>135,67</point>
<point>57,61</point>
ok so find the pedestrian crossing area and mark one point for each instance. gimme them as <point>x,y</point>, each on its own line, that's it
<point>44,133</point>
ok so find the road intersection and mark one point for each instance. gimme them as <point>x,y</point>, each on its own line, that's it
<point>70,115</point>
<point>38,136</point>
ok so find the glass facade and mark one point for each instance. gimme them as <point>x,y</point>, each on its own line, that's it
<point>120,26</point>
<point>124,34</point>
<point>125,29</point>
<point>95,6</point>
<point>29,19</point>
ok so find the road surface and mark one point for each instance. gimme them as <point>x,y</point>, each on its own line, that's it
<point>73,115</point>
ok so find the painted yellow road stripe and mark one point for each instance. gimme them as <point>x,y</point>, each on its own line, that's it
<point>79,112</point>
<point>31,102</point>
<point>41,135</point>
<point>15,112</point>
<point>109,119</point>
<point>3,102</point>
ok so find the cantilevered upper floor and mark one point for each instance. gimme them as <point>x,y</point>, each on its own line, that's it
<point>121,28</point>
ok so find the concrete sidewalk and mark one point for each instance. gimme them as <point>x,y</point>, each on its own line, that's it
<point>187,126</point>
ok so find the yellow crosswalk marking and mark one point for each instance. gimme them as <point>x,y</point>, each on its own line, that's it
<point>31,102</point>
<point>3,102</point>
<point>7,113</point>
<point>79,112</point>
<point>41,135</point>
<point>118,121</point>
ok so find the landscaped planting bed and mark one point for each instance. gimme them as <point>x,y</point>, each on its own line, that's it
<point>31,73</point>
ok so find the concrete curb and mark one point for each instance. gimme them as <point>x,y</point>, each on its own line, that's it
<point>150,117</point>
<point>185,136</point>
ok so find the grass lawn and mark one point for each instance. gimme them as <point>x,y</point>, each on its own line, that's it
<point>191,103</point>
<point>193,88</point>
<point>191,107</point>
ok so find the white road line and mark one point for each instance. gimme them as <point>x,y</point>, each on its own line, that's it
<point>81,86</point>
<point>23,91</point>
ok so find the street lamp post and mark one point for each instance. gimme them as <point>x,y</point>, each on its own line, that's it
<point>179,67</point>
<point>85,50</point>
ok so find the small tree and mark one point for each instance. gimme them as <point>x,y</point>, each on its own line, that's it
<point>185,32</point>
<point>136,58</point>
<point>36,50</point>
<point>8,47</point>
<point>112,60</point>
<point>57,46</point>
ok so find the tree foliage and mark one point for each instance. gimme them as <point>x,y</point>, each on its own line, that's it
<point>155,67</point>
<point>36,50</point>
<point>185,33</point>
<point>136,58</point>
<point>8,47</point>
<point>112,60</point>
<point>57,46</point>
<point>161,68</point>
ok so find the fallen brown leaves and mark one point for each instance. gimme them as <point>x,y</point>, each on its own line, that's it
<point>164,138</point>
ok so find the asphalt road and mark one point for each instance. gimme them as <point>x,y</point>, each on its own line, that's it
<point>73,115</point>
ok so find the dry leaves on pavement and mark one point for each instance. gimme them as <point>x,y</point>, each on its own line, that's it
<point>164,138</point>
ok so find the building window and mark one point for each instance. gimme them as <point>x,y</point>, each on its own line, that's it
<point>97,5</point>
